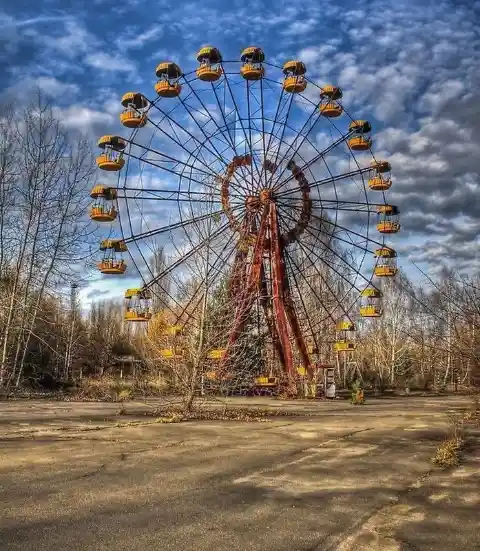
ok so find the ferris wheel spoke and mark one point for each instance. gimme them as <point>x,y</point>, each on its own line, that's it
<point>207,137</point>
<point>264,148</point>
<point>172,199</point>
<point>176,162</point>
<point>240,119</point>
<point>276,117</point>
<point>344,262</point>
<point>331,204</point>
<point>219,265</point>
<point>219,129</point>
<point>312,290</point>
<point>170,194</point>
<point>311,162</point>
<point>293,150</point>
<point>310,251</point>
<point>293,273</point>
<point>365,238</point>
<point>283,127</point>
<point>189,254</point>
<point>353,232</point>
<point>198,142</point>
<point>231,139</point>
<point>325,181</point>
<point>254,184</point>
<point>169,170</point>
<point>335,253</point>
<point>334,235</point>
<point>231,143</point>
<point>171,227</point>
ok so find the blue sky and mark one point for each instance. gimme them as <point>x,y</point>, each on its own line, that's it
<point>411,67</point>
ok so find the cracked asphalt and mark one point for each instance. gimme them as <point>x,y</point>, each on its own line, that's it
<point>75,476</point>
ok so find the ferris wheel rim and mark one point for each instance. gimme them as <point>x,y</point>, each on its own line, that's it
<point>183,217</point>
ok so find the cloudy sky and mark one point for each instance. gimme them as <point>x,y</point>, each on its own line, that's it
<point>412,67</point>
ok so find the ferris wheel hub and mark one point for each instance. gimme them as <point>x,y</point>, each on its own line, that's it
<point>266,196</point>
<point>252,202</point>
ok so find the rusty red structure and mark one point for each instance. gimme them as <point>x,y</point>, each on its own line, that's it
<point>259,272</point>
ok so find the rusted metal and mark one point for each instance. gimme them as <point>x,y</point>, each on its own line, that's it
<point>250,291</point>
<point>249,277</point>
<point>278,278</point>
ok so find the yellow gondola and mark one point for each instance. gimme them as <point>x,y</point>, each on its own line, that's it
<point>134,115</point>
<point>170,353</point>
<point>266,382</point>
<point>329,106</point>
<point>112,263</point>
<point>101,210</point>
<point>252,59</point>
<point>387,262</point>
<point>344,345</point>
<point>138,305</point>
<point>294,81</point>
<point>360,141</point>
<point>216,353</point>
<point>168,74</point>
<point>345,325</point>
<point>380,179</point>
<point>174,331</point>
<point>111,160</point>
<point>389,221</point>
<point>210,60</point>
<point>133,315</point>
<point>344,331</point>
<point>371,303</point>
<point>100,213</point>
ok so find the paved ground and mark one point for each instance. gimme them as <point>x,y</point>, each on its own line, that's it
<point>73,476</point>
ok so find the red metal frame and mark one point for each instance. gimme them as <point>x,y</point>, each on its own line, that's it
<point>256,248</point>
<point>249,282</point>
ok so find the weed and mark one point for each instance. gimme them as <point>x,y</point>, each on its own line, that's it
<point>357,397</point>
<point>448,453</point>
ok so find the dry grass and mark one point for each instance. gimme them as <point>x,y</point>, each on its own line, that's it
<point>112,389</point>
<point>448,453</point>
<point>179,414</point>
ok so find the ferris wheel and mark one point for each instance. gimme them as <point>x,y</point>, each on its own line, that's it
<point>261,176</point>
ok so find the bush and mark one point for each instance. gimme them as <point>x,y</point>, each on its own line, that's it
<point>105,388</point>
<point>447,454</point>
<point>358,397</point>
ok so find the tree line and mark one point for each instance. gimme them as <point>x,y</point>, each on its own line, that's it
<point>428,337</point>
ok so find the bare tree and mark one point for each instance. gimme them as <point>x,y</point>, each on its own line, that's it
<point>48,233</point>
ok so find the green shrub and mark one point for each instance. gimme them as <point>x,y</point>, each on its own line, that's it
<point>357,396</point>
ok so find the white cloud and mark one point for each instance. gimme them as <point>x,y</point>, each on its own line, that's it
<point>299,27</point>
<point>438,96</point>
<point>6,21</point>
<point>138,41</point>
<point>54,87</point>
<point>75,40</point>
<point>50,86</point>
<point>109,63</point>
<point>83,119</point>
